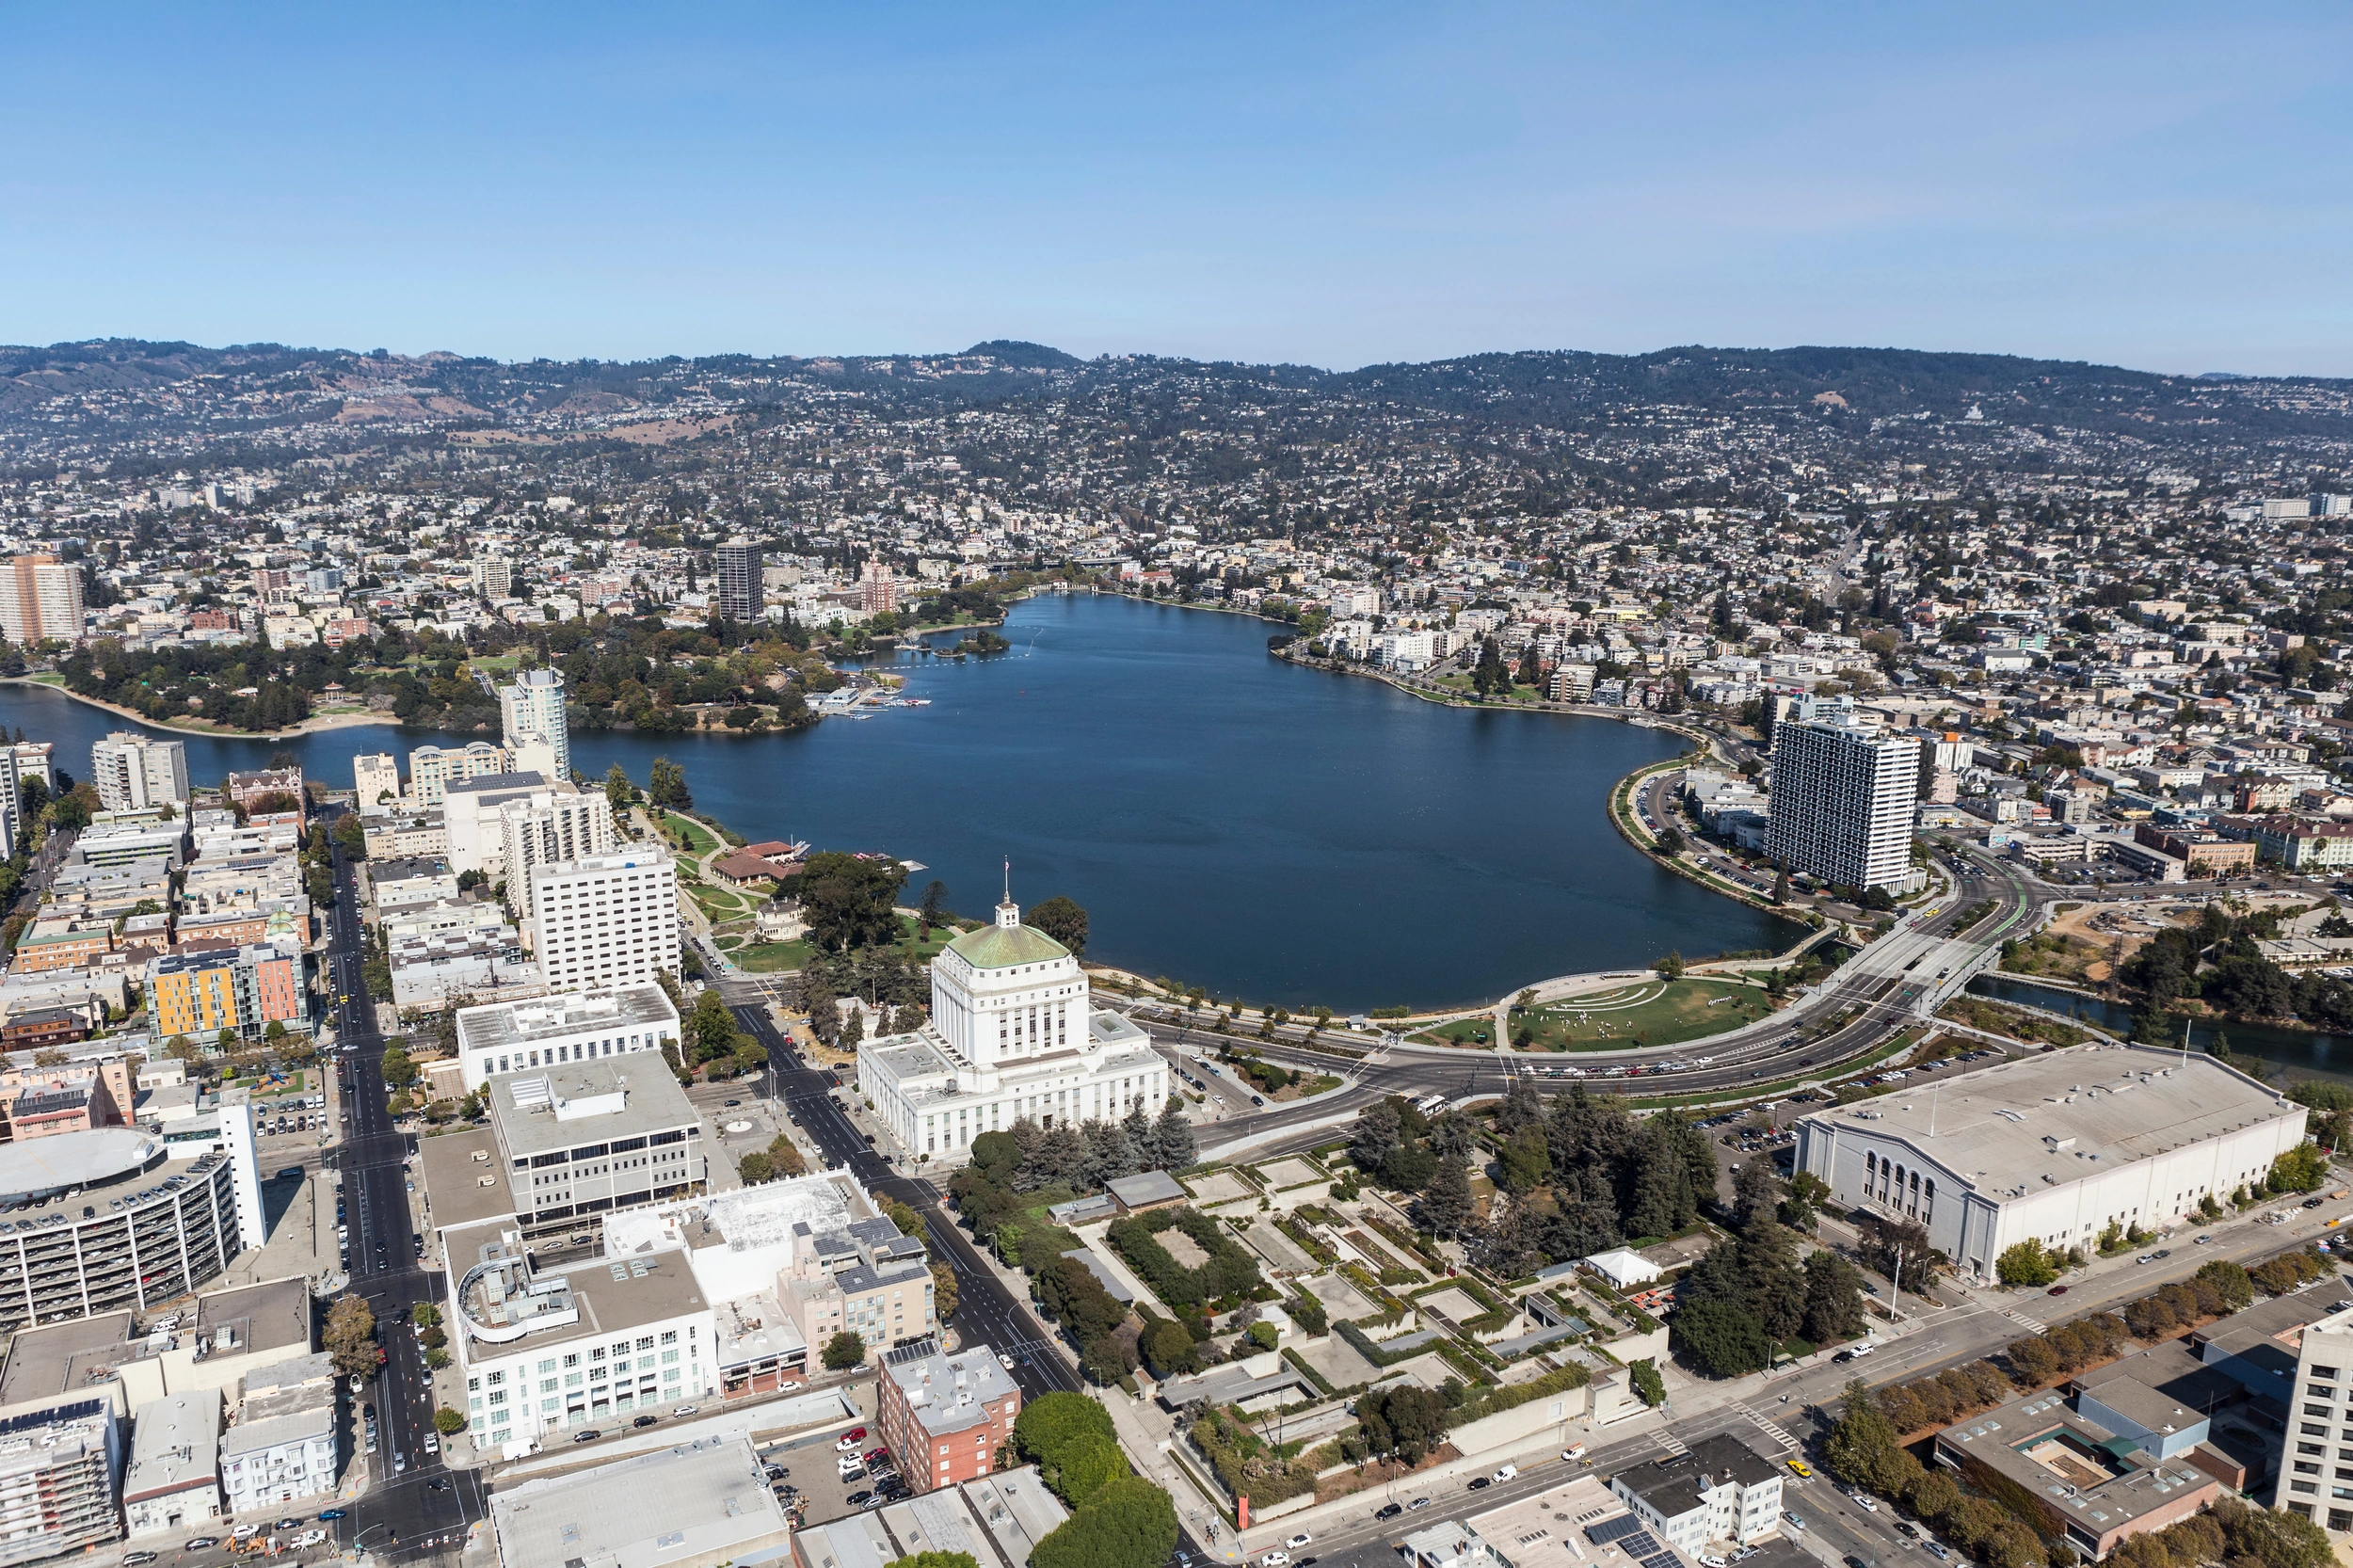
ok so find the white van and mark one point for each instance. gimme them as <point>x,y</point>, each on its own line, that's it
<point>1507,1472</point>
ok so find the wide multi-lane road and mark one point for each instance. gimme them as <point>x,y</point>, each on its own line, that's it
<point>414,1506</point>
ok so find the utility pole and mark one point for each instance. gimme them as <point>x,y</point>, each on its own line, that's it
<point>1898,1281</point>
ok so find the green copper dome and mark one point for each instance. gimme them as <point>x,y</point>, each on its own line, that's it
<point>996,947</point>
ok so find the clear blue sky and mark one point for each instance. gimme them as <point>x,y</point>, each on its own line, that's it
<point>2159,185</point>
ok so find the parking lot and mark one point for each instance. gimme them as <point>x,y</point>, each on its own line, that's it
<point>823,1493</point>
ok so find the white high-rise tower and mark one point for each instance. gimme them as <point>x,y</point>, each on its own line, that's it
<point>533,707</point>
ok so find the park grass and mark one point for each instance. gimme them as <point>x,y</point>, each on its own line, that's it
<point>771,957</point>
<point>1480,1031</point>
<point>696,839</point>
<point>1668,1013</point>
<point>496,664</point>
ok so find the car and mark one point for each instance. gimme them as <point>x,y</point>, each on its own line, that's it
<point>202,1543</point>
<point>309,1538</point>
<point>291,1173</point>
<point>135,1560</point>
<point>1417,1502</point>
<point>1388,1510</point>
<point>2056,1290</point>
<point>1853,1561</point>
<point>848,1443</point>
<point>1274,1560</point>
<point>287,1525</point>
<point>327,1514</point>
<point>732,1104</point>
<point>2203,1241</point>
<point>400,1462</point>
<point>778,1472</point>
<point>2314,1203</point>
<point>1793,1521</point>
<point>859,1499</point>
<point>2161,1253</point>
<point>1942,1553</point>
<point>1864,1502</point>
<point>1507,1472</point>
<point>689,1410</point>
<point>589,1437</point>
<point>1842,1358</point>
<point>440,1483</point>
<point>1005,1361</point>
<point>1574,1452</point>
<point>644,1421</point>
<point>432,1442</point>
<point>1800,1466</point>
<point>1706,1559</point>
<point>1302,1539</point>
<point>875,1456</point>
<point>1480,1483</point>
<point>2146,1257</point>
<point>1907,1527</point>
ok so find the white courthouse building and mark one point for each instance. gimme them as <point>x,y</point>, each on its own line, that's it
<point>2057,1147</point>
<point>1012,1034</point>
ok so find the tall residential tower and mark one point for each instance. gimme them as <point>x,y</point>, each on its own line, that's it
<point>1843,798</point>
<point>533,709</point>
<point>737,595</point>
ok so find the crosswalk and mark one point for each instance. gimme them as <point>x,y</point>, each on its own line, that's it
<point>1769,1427</point>
<point>1675,1447</point>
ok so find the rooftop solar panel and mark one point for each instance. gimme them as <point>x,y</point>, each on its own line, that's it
<point>1612,1529</point>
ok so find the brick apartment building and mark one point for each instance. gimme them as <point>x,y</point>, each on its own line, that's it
<point>944,1417</point>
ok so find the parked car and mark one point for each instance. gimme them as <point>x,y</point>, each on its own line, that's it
<point>644,1420</point>
<point>1389,1510</point>
<point>1480,1483</point>
<point>1302,1539</point>
<point>1274,1560</point>
<point>138,1559</point>
<point>589,1437</point>
<point>1507,1472</point>
<point>1417,1502</point>
<point>1793,1521</point>
<point>850,1439</point>
<point>859,1499</point>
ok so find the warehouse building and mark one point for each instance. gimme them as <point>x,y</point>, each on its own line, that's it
<point>2055,1148</point>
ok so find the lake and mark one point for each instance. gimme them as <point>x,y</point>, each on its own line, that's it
<point>1277,834</point>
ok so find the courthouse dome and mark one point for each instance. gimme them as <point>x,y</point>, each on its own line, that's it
<point>1002,947</point>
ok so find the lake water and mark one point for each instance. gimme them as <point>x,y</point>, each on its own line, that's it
<point>1282,835</point>
<point>2305,1053</point>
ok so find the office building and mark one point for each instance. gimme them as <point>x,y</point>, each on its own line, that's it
<point>699,1504</point>
<point>2052,1148</point>
<point>133,772</point>
<point>109,1356</point>
<point>533,707</point>
<point>471,825</point>
<point>524,1036</point>
<point>943,1416</point>
<point>1011,1036</point>
<point>546,1349</point>
<point>433,769</point>
<point>40,602</point>
<point>736,589</point>
<point>604,921</point>
<point>587,1138</point>
<point>2127,1460</point>
<point>172,1481</point>
<point>2316,1479</point>
<point>1718,1490</point>
<point>375,781</point>
<point>58,1468</point>
<point>1842,803</point>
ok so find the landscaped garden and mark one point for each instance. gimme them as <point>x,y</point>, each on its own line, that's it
<point>1648,1013</point>
<point>1213,1269</point>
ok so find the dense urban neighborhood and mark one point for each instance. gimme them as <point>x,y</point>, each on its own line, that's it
<point>477,1156</point>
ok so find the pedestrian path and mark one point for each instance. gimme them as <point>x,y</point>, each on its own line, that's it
<point>1770,1427</point>
<point>1675,1447</point>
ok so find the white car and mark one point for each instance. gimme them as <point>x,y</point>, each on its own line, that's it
<point>1005,1361</point>
<point>1274,1560</point>
<point>1302,1539</point>
<point>432,1442</point>
<point>1704,1560</point>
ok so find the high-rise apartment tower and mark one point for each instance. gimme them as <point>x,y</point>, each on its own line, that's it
<point>1842,800</point>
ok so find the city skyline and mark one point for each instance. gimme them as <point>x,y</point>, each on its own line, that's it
<point>2132,187</point>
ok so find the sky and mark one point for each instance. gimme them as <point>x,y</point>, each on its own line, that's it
<point>2165,186</point>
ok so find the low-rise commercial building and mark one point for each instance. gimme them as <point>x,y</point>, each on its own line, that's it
<point>693,1505</point>
<point>996,1520</point>
<point>282,1448</point>
<point>172,1481</point>
<point>1719,1490</point>
<point>2093,1484</point>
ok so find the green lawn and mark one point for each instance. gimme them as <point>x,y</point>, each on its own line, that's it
<point>771,957</point>
<point>717,902</point>
<point>1646,1013</point>
<point>697,839</point>
<point>1461,1031</point>
<point>496,664</point>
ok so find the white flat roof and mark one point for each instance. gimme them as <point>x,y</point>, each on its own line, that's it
<point>2068,1114</point>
